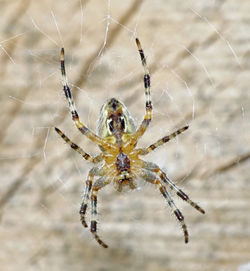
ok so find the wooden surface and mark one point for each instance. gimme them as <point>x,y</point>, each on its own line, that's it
<point>198,54</point>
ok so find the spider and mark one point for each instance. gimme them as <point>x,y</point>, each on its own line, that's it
<point>117,137</point>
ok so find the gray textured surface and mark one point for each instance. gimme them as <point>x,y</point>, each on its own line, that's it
<point>199,57</point>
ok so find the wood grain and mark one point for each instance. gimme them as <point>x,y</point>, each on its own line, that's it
<point>198,55</point>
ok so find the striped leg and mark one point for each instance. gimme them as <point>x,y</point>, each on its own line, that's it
<point>95,171</point>
<point>93,227</point>
<point>176,211</point>
<point>147,118</point>
<point>86,156</point>
<point>82,128</point>
<point>162,141</point>
<point>154,168</point>
<point>149,177</point>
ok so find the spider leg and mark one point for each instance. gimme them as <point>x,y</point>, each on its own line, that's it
<point>147,118</point>
<point>154,168</point>
<point>97,186</point>
<point>75,117</point>
<point>86,156</point>
<point>95,171</point>
<point>150,177</point>
<point>162,141</point>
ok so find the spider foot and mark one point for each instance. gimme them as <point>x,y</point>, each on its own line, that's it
<point>180,217</point>
<point>98,239</point>
<point>96,236</point>
<point>84,222</point>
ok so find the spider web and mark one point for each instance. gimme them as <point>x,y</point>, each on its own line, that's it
<point>198,59</point>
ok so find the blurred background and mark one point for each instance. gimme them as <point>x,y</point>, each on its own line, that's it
<point>198,53</point>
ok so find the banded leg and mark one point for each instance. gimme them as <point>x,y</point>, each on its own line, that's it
<point>86,156</point>
<point>75,117</point>
<point>154,168</point>
<point>149,177</point>
<point>93,227</point>
<point>147,118</point>
<point>162,141</point>
<point>93,172</point>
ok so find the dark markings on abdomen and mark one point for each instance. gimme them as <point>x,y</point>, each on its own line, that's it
<point>122,162</point>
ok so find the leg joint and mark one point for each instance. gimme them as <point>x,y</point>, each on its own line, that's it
<point>147,81</point>
<point>179,215</point>
<point>93,226</point>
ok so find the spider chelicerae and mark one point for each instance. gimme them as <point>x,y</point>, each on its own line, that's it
<point>117,137</point>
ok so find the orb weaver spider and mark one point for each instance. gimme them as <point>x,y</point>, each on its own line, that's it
<point>117,137</point>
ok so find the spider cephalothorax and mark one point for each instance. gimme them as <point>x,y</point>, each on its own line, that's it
<point>117,137</point>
